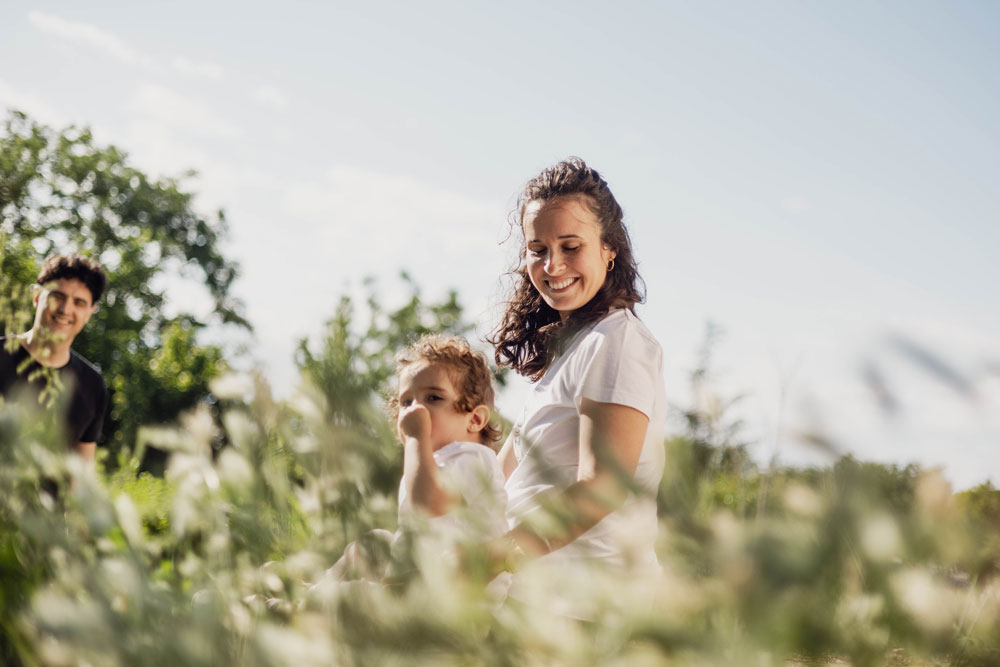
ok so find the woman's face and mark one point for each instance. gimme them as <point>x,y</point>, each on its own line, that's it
<point>567,262</point>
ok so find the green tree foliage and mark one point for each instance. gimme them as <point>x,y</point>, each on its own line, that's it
<point>17,272</point>
<point>62,191</point>
<point>981,507</point>
<point>352,367</point>
<point>983,503</point>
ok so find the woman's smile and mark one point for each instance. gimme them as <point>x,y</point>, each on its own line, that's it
<point>561,285</point>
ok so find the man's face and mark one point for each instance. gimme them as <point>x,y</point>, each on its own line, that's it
<point>62,307</point>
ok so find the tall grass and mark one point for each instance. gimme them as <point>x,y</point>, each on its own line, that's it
<point>222,561</point>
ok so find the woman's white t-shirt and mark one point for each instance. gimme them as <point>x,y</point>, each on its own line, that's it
<point>617,360</point>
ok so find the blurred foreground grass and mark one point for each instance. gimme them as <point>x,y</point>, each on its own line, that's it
<point>858,564</point>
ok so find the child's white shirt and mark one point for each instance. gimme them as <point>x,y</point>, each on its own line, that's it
<point>472,472</point>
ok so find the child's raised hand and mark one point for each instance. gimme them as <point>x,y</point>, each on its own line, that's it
<point>415,422</point>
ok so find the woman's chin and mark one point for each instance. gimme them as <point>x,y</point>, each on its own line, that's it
<point>561,307</point>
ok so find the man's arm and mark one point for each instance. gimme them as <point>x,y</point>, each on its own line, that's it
<point>85,450</point>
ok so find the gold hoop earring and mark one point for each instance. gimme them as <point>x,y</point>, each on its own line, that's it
<point>611,264</point>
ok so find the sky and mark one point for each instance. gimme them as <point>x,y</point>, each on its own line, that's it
<point>817,180</point>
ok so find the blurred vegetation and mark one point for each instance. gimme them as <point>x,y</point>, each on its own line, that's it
<point>221,561</point>
<point>61,191</point>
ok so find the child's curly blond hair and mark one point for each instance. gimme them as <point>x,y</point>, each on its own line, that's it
<point>467,369</point>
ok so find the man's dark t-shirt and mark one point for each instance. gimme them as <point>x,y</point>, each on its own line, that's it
<point>87,403</point>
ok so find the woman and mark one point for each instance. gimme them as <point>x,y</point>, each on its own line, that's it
<point>590,437</point>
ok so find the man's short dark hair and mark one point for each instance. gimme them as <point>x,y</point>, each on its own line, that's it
<point>65,267</point>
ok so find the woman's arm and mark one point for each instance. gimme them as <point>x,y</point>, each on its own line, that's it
<point>611,439</point>
<point>508,462</point>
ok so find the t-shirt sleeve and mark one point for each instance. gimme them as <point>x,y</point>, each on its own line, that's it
<point>476,477</point>
<point>625,366</point>
<point>93,431</point>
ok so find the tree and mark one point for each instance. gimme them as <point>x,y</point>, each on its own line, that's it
<point>61,191</point>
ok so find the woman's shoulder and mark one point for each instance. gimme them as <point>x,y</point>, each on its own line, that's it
<point>623,322</point>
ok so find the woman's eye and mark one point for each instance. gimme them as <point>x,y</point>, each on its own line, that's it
<point>405,402</point>
<point>434,397</point>
<point>536,252</point>
<point>568,248</point>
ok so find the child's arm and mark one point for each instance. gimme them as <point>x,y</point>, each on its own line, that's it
<point>420,471</point>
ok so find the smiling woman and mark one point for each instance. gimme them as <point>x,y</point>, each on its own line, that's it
<point>573,200</point>
<point>590,437</point>
<point>566,259</point>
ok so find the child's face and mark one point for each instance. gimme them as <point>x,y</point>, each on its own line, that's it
<point>430,385</point>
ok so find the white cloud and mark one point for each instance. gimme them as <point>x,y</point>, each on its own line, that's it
<point>175,110</point>
<point>204,69</point>
<point>164,151</point>
<point>326,233</point>
<point>108,43</point>
<point>795,204</point>
<point>351,204</point>
<point>434,233</point>
<point>30,103</point>
<point>283,133</point>
<point>155,146</point>
<point>270,96</point>
<point>89,35</point>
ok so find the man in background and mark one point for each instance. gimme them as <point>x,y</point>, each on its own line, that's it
<point>64,298</point>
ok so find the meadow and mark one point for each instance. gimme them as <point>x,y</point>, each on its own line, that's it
<point>216,562</point>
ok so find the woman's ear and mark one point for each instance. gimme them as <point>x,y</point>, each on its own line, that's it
<point>479,417</point>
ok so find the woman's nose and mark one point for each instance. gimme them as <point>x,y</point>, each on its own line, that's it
<point>553,263</point>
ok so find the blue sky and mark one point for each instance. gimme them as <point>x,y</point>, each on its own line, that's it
<point>814,177</point>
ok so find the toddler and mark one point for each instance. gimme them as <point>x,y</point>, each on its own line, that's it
<point>450,471</point>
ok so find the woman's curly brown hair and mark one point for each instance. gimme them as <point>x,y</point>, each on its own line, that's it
<point>467,369</point>
<point>531,333</point>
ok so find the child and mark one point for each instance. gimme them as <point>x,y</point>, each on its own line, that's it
<point>450,471</point>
